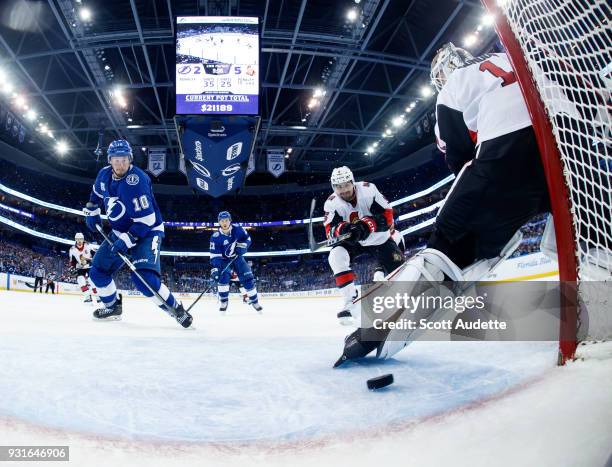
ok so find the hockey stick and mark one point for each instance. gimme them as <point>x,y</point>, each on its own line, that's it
<point>165,306</point>
<point>312,243</point>
<point>207,289</point>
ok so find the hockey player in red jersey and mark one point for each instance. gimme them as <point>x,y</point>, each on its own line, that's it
<point>485,132</point>
<point>80,257</point>
<point>360,210</point>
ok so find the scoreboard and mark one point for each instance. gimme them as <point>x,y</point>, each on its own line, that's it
<point>217,65</point>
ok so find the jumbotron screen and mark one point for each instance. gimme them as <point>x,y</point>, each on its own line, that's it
<point>217,65</point>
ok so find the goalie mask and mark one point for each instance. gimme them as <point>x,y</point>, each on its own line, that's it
<point>447,59</point>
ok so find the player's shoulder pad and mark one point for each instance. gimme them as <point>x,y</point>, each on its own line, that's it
<point>104,172</point>
<point>331,197</point>
<point>369,186</point>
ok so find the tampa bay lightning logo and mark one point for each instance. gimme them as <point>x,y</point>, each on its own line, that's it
<point>199,168</point>
<point>231,170</point>
<point>132,179</point>
<point>183,70</point>
<point>115,209</point>
<point>229,250</point>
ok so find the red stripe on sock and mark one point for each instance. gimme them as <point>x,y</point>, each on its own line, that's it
<point>344,278</point>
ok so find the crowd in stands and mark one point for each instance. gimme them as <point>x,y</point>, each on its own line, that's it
<point>262,208</point>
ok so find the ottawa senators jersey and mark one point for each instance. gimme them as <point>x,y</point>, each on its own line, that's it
<point>368,202</point>
<point>80,258</point>
<point>479,102</point>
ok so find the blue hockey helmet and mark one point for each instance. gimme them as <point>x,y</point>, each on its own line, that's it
<point>224,215</point>
<point>119,148</point>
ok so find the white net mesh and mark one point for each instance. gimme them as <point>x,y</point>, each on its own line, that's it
<point>567,45</point>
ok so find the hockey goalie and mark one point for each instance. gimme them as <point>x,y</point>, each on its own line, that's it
<point>485,132</point>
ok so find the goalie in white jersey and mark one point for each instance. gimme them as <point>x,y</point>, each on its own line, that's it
<point>484,129</point>
<point>80,258</point>
<point>362,212</point>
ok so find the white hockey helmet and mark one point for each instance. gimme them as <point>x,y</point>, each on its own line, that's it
<point>341,175</point>
<point>448,58</point>
<point>79,236</point>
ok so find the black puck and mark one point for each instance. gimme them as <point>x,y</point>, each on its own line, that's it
<point>380,381</point>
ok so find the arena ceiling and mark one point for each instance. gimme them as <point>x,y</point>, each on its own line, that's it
<point>65,69</point>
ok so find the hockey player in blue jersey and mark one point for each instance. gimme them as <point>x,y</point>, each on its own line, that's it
<point>137,231</point>
<point>229,243</point>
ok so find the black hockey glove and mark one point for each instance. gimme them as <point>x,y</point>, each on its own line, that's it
<point>362,229</point>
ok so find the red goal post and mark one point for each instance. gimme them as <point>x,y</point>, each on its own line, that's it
<point>561,51</point>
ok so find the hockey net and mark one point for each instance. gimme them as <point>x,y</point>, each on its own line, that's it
<point>561,51</point>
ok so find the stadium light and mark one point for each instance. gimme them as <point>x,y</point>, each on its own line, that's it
<point>7,88</point>
<point>398,121</point>
<point>117,93</point>
<point>85,14</point>
<point>289,150</point>
<point>313,103</point>
<point>488,19</point>
<point>470,40</point>
<point>352,14</point>
<point>371,149</point>
<point>20,101</point>
<point>388,132</point>
<point>31,115</point>
<point>375,144</point>
<point>426,91</point>
<point>319,92</point>
<point>61,147</point>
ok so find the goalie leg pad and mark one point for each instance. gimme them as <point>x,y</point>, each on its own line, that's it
<point>426,269</point>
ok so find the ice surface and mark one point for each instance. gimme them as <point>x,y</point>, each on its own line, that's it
<point>240,378</point>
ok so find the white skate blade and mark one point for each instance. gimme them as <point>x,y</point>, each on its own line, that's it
<point>110,318</point>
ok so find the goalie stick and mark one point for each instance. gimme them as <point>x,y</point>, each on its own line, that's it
<point>312,243</point>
